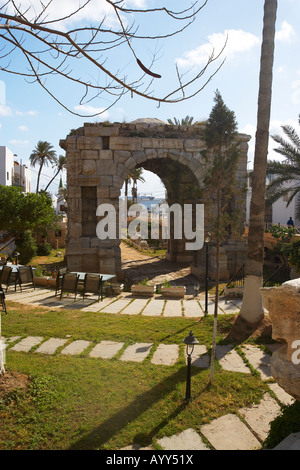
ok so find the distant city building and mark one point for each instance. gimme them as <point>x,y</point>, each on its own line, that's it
<point>278,213</point>
<point>13,173</point>
<point>61,204</point>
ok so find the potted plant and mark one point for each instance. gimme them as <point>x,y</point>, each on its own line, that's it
<point>172,291</point>
<point>40,279</point>
<point>143,288</point>
<point>234,291</point>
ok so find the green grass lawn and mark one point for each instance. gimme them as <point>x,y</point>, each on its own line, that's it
<point>86,403</point>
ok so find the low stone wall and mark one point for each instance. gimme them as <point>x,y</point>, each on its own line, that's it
<point>283,304</point>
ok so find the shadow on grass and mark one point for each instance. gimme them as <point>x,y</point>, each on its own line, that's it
<point>113,425</point>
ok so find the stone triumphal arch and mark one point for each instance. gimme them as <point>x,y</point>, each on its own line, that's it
<point>99,157</point>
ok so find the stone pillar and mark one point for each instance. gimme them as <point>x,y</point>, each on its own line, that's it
<point>283,304</point>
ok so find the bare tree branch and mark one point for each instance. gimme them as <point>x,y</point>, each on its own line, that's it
<point>50,49</point>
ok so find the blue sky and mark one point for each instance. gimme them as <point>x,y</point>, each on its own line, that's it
<point>28,114</point>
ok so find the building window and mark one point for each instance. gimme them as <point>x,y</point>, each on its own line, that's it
<point>7,175</point>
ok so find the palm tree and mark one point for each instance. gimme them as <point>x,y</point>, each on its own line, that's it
<point>61,164</point>
<point>252,310</point>
<point>187,121</point>
<point>287,173</point>
<point>43,154</point>
<point>136,175</point>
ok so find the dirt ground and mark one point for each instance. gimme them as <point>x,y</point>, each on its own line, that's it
<point>11,381</point>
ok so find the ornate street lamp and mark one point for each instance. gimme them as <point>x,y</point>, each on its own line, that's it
<point>190,342</point>
<point>207,240</point>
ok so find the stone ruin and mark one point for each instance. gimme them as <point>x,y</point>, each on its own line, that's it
<point>283,305</point>
<point>99,157</point>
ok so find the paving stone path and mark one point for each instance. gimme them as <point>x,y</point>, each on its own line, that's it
<point>244,430</point>
<point>125,304</point>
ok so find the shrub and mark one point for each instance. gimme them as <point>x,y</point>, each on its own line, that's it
<point>26,247</point>
<point>44,249</point>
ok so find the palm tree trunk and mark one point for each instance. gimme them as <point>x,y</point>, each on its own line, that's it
<point>52,180</point>
<point>252,307</point>
<point>38,178</point>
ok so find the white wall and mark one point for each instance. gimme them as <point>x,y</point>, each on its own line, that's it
<point>6,166</point>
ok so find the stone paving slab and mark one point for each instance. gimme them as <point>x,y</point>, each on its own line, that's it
<point>259,360</point>
<point>154,307</point>
<point>12,339</point>
<point>28,293</point>
<point>260,416</point>
<point>116,307</point>
<point>230,360</point>
<point>186,440</point>
<point>200,358</point>
<point>136,352</point>
<point>51,345</point>
<point>135,307</point>
<point>227,306</point>
<point>173,308</point>
<point>229,433</point>
<point>32,297</point>
<point>166,354</point>
<point>192,308</point>
<point>281,394</point>
<point>97,306</point>
<point>76,347</point>
<point>27,343</point>
<point>106,349</point>
<point>210,307</point>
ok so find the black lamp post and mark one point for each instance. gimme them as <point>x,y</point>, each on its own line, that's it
<point>190,342</point>
<point>207,240</point>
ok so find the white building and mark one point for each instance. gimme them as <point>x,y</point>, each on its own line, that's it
<point>278,213</point>
<point>13,173</point>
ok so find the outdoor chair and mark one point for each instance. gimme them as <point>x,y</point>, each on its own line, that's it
<point>26,276</point>
<point>59,275</point>
<point>6,277</point>
<point>2,299</point>
<point>69,284</point>
<point>3,262</point>
<point>93,285</point>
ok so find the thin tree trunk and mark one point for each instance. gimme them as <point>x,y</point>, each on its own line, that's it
<point>2,353</point>
<point>213,349</point>
<point>51,180</point>
<point>252,307</point>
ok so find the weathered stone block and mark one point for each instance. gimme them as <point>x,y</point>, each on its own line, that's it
<point>103,192</point>
<point>89,167</point>
<point>283,304</point>
<point>105,154</point>
<point>120,156</point>
<point>106,167</point>
<point>89,154</point>
<point>102,131</point>
<point>125,143</point>
<point>88,143</point>
<point>190,145</point>
<point>106,180</point>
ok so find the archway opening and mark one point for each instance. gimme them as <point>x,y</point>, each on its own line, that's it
<point>173,186</point>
